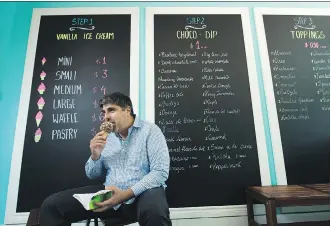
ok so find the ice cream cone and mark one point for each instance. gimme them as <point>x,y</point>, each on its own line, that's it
<point>39,117</point>
<point>38,122</point>
<point>41,88</point>
<point>41,103</point>
<point>106,127</point>
<point>105,134</point>
<point>37,135</point>
<point>43,61</point>
<point>42,75</point>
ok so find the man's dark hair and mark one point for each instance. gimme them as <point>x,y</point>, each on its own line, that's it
<point>118,99</point>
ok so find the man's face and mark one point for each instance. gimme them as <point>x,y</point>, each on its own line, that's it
<point>116,115</point>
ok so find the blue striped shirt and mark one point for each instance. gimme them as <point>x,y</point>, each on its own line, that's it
<point>139,162</point>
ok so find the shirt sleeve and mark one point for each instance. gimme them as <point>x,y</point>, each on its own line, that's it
<point>158,155</point>
<point>94,169</point>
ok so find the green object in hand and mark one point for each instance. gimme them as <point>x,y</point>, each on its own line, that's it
<point>99,198</point>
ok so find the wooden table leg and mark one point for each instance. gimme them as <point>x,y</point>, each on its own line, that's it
<point>270,208</point>
<point>250,212</point>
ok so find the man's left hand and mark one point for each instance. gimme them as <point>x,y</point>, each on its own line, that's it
<point>118,196</point>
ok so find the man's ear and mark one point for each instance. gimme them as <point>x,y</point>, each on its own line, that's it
<point>128,109</point>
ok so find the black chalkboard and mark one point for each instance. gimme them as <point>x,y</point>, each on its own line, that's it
<point>299,54</point>
<point>203,106</point>
<point>86,56</point>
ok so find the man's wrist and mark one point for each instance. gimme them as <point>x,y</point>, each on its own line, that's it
<point>95,157</point>
<point>128,194</point>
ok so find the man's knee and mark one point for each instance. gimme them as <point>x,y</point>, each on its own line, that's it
<point>52,202</point>
<point>49,202</point>
<point>153,207</point>
<point>154,212</point>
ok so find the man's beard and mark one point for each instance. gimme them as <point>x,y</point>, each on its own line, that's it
<point>115,128</point>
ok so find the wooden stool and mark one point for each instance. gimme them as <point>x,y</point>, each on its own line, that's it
<point>34,217</point>
<point>111,222</point>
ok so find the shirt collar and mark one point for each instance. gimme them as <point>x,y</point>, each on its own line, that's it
<point>137,121</point>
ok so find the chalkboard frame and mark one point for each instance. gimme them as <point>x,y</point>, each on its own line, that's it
<point>211,211</point>
<point>11,216</point>
<point>277,148</point>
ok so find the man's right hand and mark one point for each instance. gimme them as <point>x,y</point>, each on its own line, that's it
<point>97,145</point>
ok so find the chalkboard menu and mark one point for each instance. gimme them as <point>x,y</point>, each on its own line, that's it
<point>298,48</point>
<point>203,105</point>
<point>78,59</point>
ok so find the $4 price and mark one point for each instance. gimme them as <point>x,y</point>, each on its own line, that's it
<point>102,89</point>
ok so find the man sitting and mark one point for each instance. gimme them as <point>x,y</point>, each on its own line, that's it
<point>135,157</point>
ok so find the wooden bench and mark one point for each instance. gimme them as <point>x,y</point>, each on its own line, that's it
<point>286,195</point>
<point>318,187</point>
